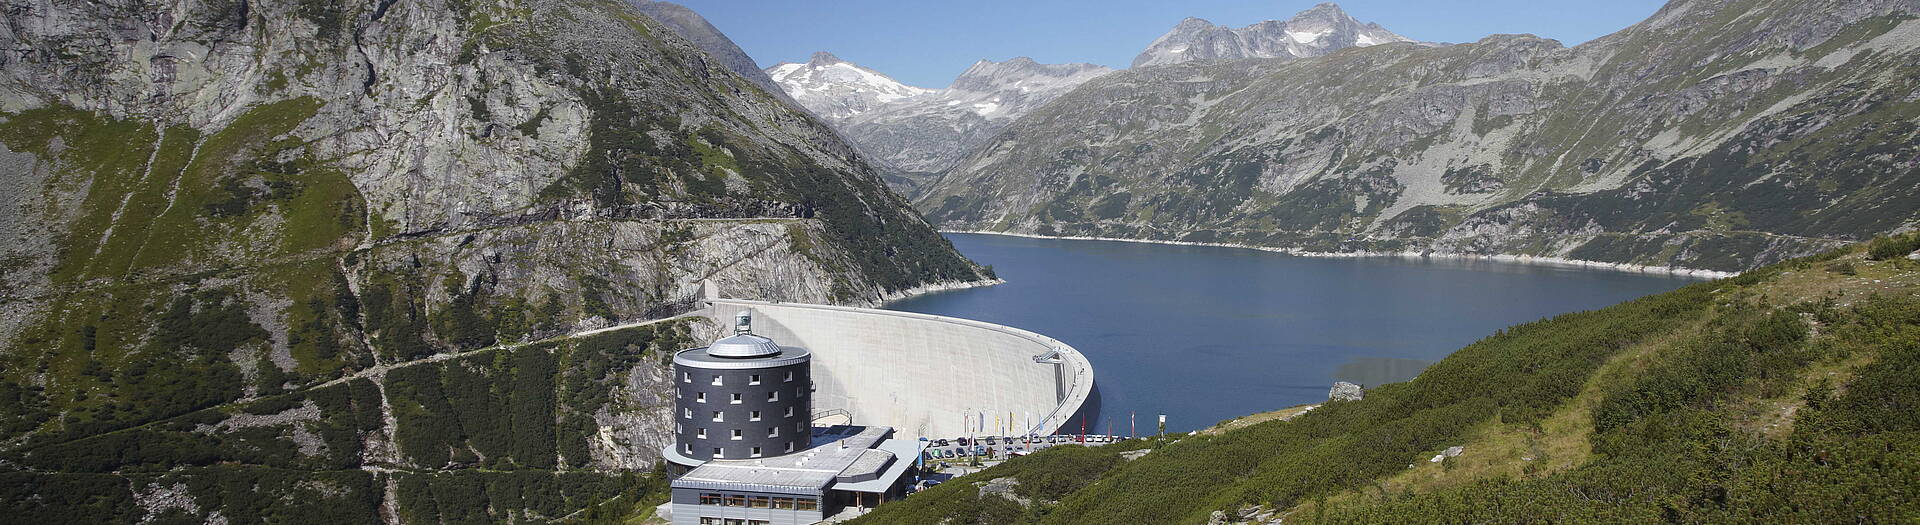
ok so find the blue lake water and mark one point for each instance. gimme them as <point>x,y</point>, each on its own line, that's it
<point>1204,334</point>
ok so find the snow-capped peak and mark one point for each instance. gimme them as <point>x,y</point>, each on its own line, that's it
<point>1323,29</point>
<point>837,89</point>
<point>918,129</point>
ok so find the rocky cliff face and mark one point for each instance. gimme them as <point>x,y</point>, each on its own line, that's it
<point>1714,135</point>
<point>914,132</point>
<point>218,213</point>
<point>1324,29</point>
<point>695,28</point>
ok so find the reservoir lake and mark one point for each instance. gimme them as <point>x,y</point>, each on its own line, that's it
<point>1205,334</point>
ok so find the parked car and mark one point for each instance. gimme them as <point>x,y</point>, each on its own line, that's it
<point>991,440</point>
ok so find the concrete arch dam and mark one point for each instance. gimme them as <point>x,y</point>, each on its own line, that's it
<point>925,375</point>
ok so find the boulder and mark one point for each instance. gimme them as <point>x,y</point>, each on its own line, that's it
<point>1344,391</point>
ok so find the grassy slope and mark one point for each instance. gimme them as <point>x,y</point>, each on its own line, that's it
<point>1786,393</point>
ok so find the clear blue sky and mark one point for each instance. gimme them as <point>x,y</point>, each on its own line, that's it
<point>927,43</point>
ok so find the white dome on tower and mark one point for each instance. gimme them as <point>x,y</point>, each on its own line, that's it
<point>743,346</point>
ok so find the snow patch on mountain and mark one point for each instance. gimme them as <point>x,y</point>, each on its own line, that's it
<point>1314,32</point>
<point>917,130</point>
<point>837,89</point>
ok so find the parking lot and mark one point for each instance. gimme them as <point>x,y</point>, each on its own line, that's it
<point>1001,447</point>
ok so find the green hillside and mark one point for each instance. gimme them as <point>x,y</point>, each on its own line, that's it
<point>1787,394</point>
<point>310,261</point>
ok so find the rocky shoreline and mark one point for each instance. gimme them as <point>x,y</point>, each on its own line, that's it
<point>1521,259</point>
<point>924,289</point>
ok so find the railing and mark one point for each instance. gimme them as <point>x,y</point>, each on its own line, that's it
<point>819,415</point>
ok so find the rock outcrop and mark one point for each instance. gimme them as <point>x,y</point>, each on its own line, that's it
<point>1344,391</point>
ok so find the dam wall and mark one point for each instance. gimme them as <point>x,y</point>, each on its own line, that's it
<point>925,375</point>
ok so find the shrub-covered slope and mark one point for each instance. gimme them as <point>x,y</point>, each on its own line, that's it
<point>211,206</point>
<point>1785,394</point>
<point>1717,134</point>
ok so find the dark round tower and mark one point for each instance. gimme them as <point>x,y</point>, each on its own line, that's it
<point>742,397</point>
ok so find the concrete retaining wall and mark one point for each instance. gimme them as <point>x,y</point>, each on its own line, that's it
<point>924,374</point>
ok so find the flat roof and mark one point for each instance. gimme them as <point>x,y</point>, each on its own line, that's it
<point>905,453</point>
<point>837,451</point>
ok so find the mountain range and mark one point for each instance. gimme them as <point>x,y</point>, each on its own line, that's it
<point>1712,135</point>
<point>914,131</point>
<point>1323,29</point>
